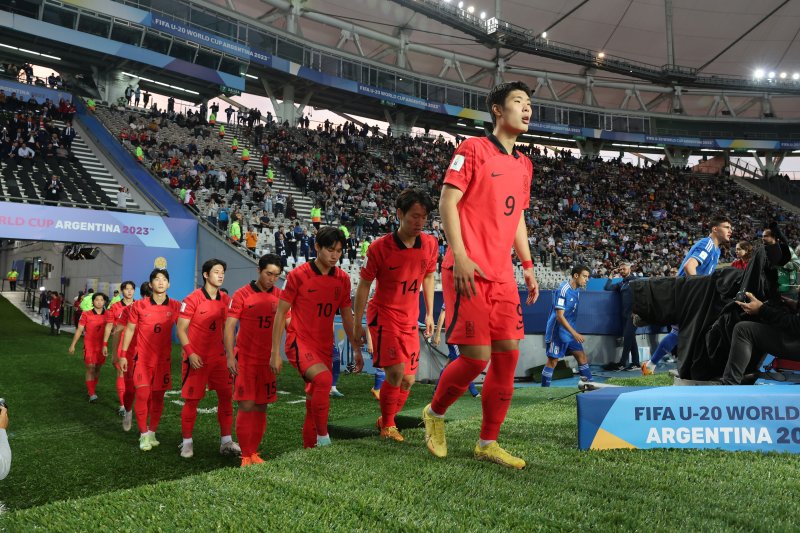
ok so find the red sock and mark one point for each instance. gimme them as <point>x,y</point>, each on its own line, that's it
<point>321,400</point>
<point>309,430</point>
<point>90,387</point>
<point>259,428</point>
<point>244,430</point>
<point>141,404</point>
<point>402,396</point>
<point>156,408</point>
<point>389,396</point>
<point>188,416</point>
<point>121,389</point>
<point>95,381</point>
<point>127,400</point>
<point>454,381</point>
<point>498,388</point>
<point>225,412</point>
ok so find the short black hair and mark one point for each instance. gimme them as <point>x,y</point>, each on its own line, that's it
<point>211,263</point>
<point>328,236</point>
<point>500,92</point>
<point>89,290</point>
<point>101,295</point>
<point>156,272</point>
<point>410,196</point>
<point>270,259</point>
<point>577,269</point>
<point>145,291</point>
<point>717,220</point>
<point>126,283</point>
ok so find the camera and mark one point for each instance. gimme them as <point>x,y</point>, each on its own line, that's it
<point>741,296</point>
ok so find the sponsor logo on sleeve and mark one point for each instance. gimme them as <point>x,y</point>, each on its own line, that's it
<point>457,163</point>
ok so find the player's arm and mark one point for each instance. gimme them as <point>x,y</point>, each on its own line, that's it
<point>566,325</point>
<point>183,336</point>
<point>228,338</point>
<point>690,268</point>
<point>428,285</point>
<point>78,333</point>
<point>106,335</point>
<point>523,249</point>
<point>437,336</point>
<point>347,324</point>
<point>464,268</point>
<point>362,294</point>
<point>278,326</point>
<point>127,338</point>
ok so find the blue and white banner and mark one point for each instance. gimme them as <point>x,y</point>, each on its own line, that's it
<point>754,418</point>
<point>25,92</point>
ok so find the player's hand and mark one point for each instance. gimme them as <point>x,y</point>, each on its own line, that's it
<point>105,351</point>
<point>532,284</point>
<point>437,340</point>
<point>233,366</point>
<point>195,361</point>
<point>123,364</point>
<point>579,338</point>
<point>464,270</point>
<point>752,306</point>
<point>275,362</point>
<point>359,337</point>
<point>358,362</point>
<point>71,349</point>
<point>430,327</point>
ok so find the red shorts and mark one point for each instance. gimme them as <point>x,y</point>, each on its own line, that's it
<point>494,314</point>
<point>93,356</point>
<point>158,375</point>
<point>393,347</point>
<point>214,374</point>
<point>256,383</point>
<point>303,355</point>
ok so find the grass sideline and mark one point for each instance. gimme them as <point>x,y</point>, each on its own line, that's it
<point>75,470</point>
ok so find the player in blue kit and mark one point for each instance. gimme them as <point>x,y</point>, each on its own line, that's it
<point>701,260</point>
<point>561,337</point>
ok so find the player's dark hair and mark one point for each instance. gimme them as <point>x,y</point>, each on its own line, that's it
<point>577,269</point>
<point>126,283</point>
<point>500,92</point>
<point>328,236</point>
<point>718,220</point>
<point>156,272</point>
<point>100,295</point>
<point>145,291</point>
<point>211,263</point>
<point>410,196</point>
<point>269,259</point>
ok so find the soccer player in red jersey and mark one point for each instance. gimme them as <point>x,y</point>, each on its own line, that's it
<point>116,320</point>
<point>313,292</point>
<point>253,307</point>
<point>201,327</point>
<point>150,320</point>
<point>403,263</point>
<point>486,189</point>
<point>93,323</point>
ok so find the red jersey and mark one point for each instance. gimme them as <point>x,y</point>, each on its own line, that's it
<point>496,187</point>
<point>55,306</point>
<point>153,329</point>
<point>94,326</point>
<point>207,321</point>
<point>399,271</point>
<point>315,298</point>
<point>255,309</point>
<point>118,315</point>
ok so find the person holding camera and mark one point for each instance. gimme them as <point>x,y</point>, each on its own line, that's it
<point>5,449</point>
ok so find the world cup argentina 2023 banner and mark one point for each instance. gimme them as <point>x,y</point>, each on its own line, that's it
<point>753,418</point>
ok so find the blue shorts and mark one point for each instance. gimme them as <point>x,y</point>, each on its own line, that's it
<point>560,348</point>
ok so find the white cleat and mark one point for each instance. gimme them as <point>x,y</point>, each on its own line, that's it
<point>187,450</point>
<point>230,448</point>
<point>127,421</point>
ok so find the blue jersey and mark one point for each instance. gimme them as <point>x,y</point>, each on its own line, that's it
<point>706,253</point>
<point>565,298</point>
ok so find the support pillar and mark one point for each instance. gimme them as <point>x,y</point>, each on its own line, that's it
<point>589,147</point>
<point>771,164</point>
<point>677,156</point>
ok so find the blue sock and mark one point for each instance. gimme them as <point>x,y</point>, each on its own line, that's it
<point>380,376</point>
<point>584,371</point>
<point>472,389</point>
<point>547,376</point>
<point>337,363</point>
<point>666,345</point>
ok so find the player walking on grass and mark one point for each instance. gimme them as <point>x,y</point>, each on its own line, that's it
<point>313,292</point>
<point>561,337</point>
<point>116,320</point>
<point>150,322</point>
<point>403,263</point>
<point>93,323</point>
<point>452,350</point>
<point>253,308</point>
<point>486,189</point>
<point>201,328</point>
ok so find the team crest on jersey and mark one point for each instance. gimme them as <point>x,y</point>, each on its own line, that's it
<point>169,315</point>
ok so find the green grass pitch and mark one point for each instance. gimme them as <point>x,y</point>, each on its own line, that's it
<point>75,469</point>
